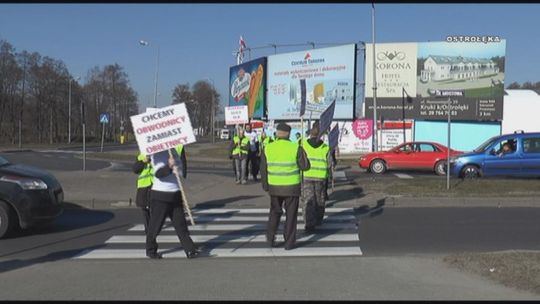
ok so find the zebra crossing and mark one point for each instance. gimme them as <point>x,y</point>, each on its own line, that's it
<point>239,233</point>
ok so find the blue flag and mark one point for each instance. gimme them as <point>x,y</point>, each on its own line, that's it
<point>303,97</point>
<point>326,117</point>
<point>333,137</point>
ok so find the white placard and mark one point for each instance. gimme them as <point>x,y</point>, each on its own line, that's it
<point>236,115</point>
<point>162,129</point>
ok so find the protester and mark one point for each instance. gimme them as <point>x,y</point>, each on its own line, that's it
<point>281,163</point>
<point>315,179</point>
<point>166,201</point>
<point>143,168</point>
<point>238,151</point>
<point>252,164</point>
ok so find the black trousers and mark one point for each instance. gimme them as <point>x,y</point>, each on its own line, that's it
<point>291,212</point>
<point>159,210</point>
<point>146,217</point>
<point>252,164</point>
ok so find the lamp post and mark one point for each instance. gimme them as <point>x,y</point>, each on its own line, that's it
<point>69,109</point>
<point>213,110</point>
<point>145,43</point>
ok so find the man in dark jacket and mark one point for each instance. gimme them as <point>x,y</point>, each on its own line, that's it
<point>281,163</point>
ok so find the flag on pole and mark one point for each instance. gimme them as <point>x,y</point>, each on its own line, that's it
<point>303,97</point>
<point>241,49</point>
<point>326,117</point>
<point>333,137</point>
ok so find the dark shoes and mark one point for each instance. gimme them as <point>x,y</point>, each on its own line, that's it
<point>154,255</point>
<point>193,254</point>
<point>309,230</point>
<point>271,243</point>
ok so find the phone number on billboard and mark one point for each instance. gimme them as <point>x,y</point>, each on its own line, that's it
<point>278,89</point>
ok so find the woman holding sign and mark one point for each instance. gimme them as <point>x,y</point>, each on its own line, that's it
<point>166,201</point>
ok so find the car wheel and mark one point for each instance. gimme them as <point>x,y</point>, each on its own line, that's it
<point>377,166</point>
<point>6,220</point>
<point>440,167</point>
<point>470,171</point>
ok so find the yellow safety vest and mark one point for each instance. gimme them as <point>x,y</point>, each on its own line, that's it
<point>238,150</point>
<point>281,160</point>
<point>147,174</point>
<point>318,160</point>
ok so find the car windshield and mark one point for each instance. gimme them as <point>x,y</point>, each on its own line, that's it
<point>483,146</point>
<point>3,161</point>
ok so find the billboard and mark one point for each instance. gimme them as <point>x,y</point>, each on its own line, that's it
<point>329,75</point>
<point>419,70</point>
<point>247,83</point>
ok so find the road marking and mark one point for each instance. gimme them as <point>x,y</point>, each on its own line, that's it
<point>403,175</point>
<point>206,218</point>
<point>239,239</point>
<point>245,227</point>
<point>261,210</point>
<point>227,253</point>
<point>340,175</point>
<point>232,238</point>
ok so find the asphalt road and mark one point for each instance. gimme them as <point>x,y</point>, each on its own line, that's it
<point>382,231</point>
<point>59,161</point>
<point>398,245</point>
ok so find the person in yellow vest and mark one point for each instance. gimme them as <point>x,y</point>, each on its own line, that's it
<point>239,149</point>
<point>314,183</point>
<point>264,140</point>
<point>143,168</point>
<point>281,164</point>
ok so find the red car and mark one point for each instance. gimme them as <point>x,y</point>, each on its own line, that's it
<point>411,155</point>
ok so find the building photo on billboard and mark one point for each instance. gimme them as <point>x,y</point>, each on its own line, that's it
<point>477,69</point>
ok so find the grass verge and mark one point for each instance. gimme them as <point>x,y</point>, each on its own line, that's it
<point>516,269</point>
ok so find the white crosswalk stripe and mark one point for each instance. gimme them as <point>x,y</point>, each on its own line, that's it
<point>403,175</point>
<point>239,233</point>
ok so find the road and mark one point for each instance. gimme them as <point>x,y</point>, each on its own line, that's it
<point>361,252</point>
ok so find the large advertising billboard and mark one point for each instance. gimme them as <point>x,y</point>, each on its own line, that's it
<point>329,74</point>
<point>247,83</point>
<point>419,70</point>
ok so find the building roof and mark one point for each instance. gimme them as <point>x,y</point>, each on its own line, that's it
<point>458,59</point>
<point>523,95</point>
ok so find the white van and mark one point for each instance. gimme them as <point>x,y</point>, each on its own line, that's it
<point>225,134</point>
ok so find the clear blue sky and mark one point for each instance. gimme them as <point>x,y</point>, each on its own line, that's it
<point>197,40</point>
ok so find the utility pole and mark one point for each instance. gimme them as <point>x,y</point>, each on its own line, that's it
<point>375,120</point>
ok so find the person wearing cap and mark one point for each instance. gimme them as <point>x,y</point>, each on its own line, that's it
<point>281,164</point>
<point>314,183</point>
<point>238,150</point>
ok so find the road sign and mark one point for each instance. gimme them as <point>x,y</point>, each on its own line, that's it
<point>104,118</point>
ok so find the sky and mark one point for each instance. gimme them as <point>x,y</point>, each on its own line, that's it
<point>196,41</point>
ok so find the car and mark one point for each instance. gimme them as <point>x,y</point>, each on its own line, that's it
<point>410,155</point>
<point>521,157</point>
<point>29,197</point>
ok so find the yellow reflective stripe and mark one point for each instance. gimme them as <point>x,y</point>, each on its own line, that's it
<point>295,172</point>
<point>282,164</point>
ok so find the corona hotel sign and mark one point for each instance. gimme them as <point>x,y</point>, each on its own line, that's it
<point>420,70</point>
<point>395,68</point>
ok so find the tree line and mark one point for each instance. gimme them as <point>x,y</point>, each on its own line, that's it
<point>525,86</point>
<point>35,93</point>
<point>201,99</point>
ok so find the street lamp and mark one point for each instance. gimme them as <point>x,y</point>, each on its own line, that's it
<point>145,43</point>
<point>213,110</point>
<point>69,109</point>
<point>375,119</point>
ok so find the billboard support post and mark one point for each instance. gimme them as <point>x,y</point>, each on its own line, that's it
<point>448,150</point>
<point>375,119</point>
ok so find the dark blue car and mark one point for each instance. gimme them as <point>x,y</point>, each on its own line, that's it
<point>515,154</point>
